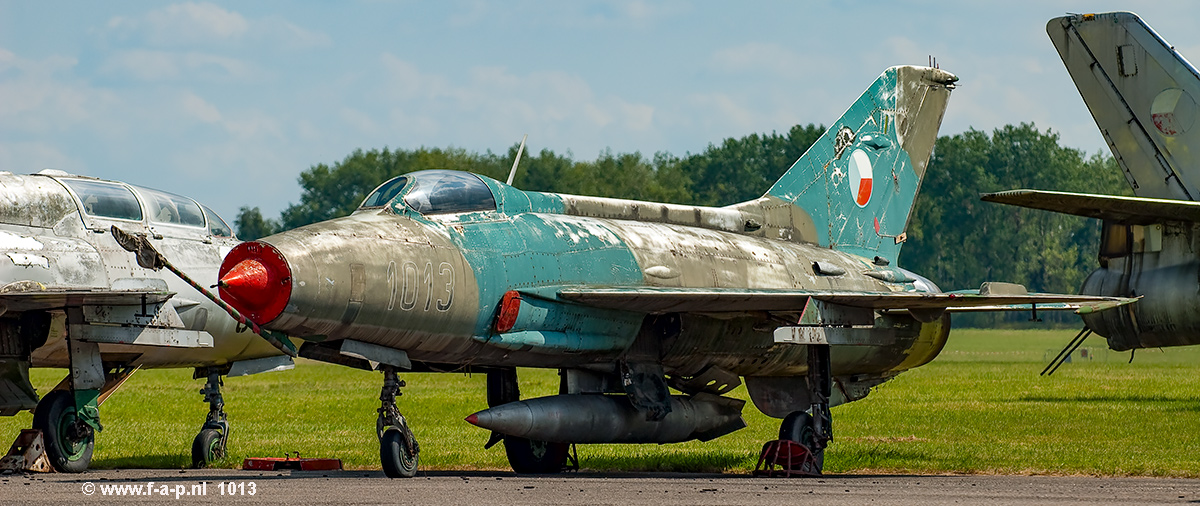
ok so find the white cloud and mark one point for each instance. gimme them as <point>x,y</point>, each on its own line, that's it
<point>43,95</point>
<point>723,109</point>
<point>765,57</point>
<point>185,23</point>
<point>26,157</point>
<point>200,109</point>
<point>190,24</point>
<point>154,65</point>
<point>493,102</point>
<point>358,120</point>
<point>288,35</point>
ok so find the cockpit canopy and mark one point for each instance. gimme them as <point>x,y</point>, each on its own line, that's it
<point>433,192</point>
<point>112,200</point>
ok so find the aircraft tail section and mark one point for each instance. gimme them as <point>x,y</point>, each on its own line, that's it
<point>859,181</point>
<point>1143,95</point>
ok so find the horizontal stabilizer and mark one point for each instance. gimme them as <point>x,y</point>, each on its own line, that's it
<point>719,300</point>
<point>1127,210</point>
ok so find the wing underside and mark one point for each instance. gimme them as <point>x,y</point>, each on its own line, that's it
<point>1127,210</point>
<point>719,300</point>
<point>53,298</point>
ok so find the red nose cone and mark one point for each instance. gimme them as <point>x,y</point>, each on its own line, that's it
<point>473,420</point>
<point>248,281</point>
<point>255,280</point>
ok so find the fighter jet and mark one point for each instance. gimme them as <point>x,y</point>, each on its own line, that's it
<point>795,292</point>
<point>71,297</point>
<point>1142,95</point>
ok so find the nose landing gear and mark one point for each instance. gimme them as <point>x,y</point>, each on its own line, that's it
<point>209,444</point>
<point>398,448</point>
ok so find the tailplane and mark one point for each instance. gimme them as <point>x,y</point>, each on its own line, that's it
<point>858,182</point>
<point>1142,94</point>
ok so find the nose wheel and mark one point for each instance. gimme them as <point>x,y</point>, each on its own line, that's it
<point>209,445</point>
<point>398,449</point>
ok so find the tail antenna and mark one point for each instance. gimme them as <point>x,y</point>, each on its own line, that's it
<point>513,173</point>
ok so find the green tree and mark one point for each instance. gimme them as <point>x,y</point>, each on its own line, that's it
<point>743,169</point>
<point>251,225</point>
<point>959,241</point>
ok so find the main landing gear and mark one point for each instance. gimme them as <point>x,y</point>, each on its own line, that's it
<point>69,416</point>
<point>398,448</point>
<point>813,428</point>
<point>524,455</point>
<point>69,437</point>
<point>209,444</point>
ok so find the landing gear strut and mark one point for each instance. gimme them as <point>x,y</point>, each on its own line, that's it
<point>70,418</point>
<point>398,448</point>
<point>524,455</point>
<point>813,428</point>
<point>209,445</point>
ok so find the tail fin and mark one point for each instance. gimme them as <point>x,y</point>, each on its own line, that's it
<point>858,182</point>
<point>1142,94</point>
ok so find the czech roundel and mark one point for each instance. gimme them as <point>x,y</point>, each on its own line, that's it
<point>860,177</point>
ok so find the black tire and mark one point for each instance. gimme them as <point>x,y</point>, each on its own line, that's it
<point>397,461</point>
<point>797,427</point>
<point>207,448</point>
<point>54,415</point>
<point>535,457</point>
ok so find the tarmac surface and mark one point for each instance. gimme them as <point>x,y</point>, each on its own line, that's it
<point>225,486</point>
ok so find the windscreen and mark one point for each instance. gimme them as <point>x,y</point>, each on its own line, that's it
<point>448,191</point>
<point>106,200</point>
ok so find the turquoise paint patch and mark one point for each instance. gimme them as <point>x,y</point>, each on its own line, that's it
<point>820,182</point>
<point>528,251</point>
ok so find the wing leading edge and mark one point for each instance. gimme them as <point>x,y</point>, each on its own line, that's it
<point>1126,210</point>
<point>718,300</point>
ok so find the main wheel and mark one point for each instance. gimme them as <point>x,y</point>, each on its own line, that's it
<point>207,448</point>
<point>535,457</point>
<point>69,449</point>
<point>798,427</point>
<point>397,461</point>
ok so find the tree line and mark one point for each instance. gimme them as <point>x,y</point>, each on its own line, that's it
<point>954,239</point>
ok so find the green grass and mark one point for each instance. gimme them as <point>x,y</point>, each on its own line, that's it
<point>979,408</point>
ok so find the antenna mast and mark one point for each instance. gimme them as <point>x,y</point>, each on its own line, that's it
<point>513,173</point>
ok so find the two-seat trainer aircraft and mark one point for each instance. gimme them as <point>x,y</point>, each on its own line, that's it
<point>71,297</point>
<point>1142,94</point>
<point>796,292</point>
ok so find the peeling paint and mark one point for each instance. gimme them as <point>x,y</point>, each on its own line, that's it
<point>27,260</point>
<point>9,240</point>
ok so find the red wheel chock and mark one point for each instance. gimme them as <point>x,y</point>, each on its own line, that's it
<point>786,458</point>
<point>294,463</point>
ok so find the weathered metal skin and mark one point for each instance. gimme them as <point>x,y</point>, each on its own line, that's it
<point>1163,268</point>
<point>47,242</point>
<point>450,323</point>
<point>415,288</point>
<point>477,281</point>
<point>1142,94</point>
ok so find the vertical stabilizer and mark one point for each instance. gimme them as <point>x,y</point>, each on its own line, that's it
<point>858,182</point>
<point>1142,94</point>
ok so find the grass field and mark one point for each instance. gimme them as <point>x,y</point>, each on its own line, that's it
<point>979,408</point>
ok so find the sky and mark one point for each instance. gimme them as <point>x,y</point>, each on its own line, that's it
<point>228,102</point>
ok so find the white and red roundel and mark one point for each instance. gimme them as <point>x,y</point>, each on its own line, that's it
<point>860,177</point>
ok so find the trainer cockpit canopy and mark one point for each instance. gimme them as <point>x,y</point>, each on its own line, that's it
<point>433,192</point>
